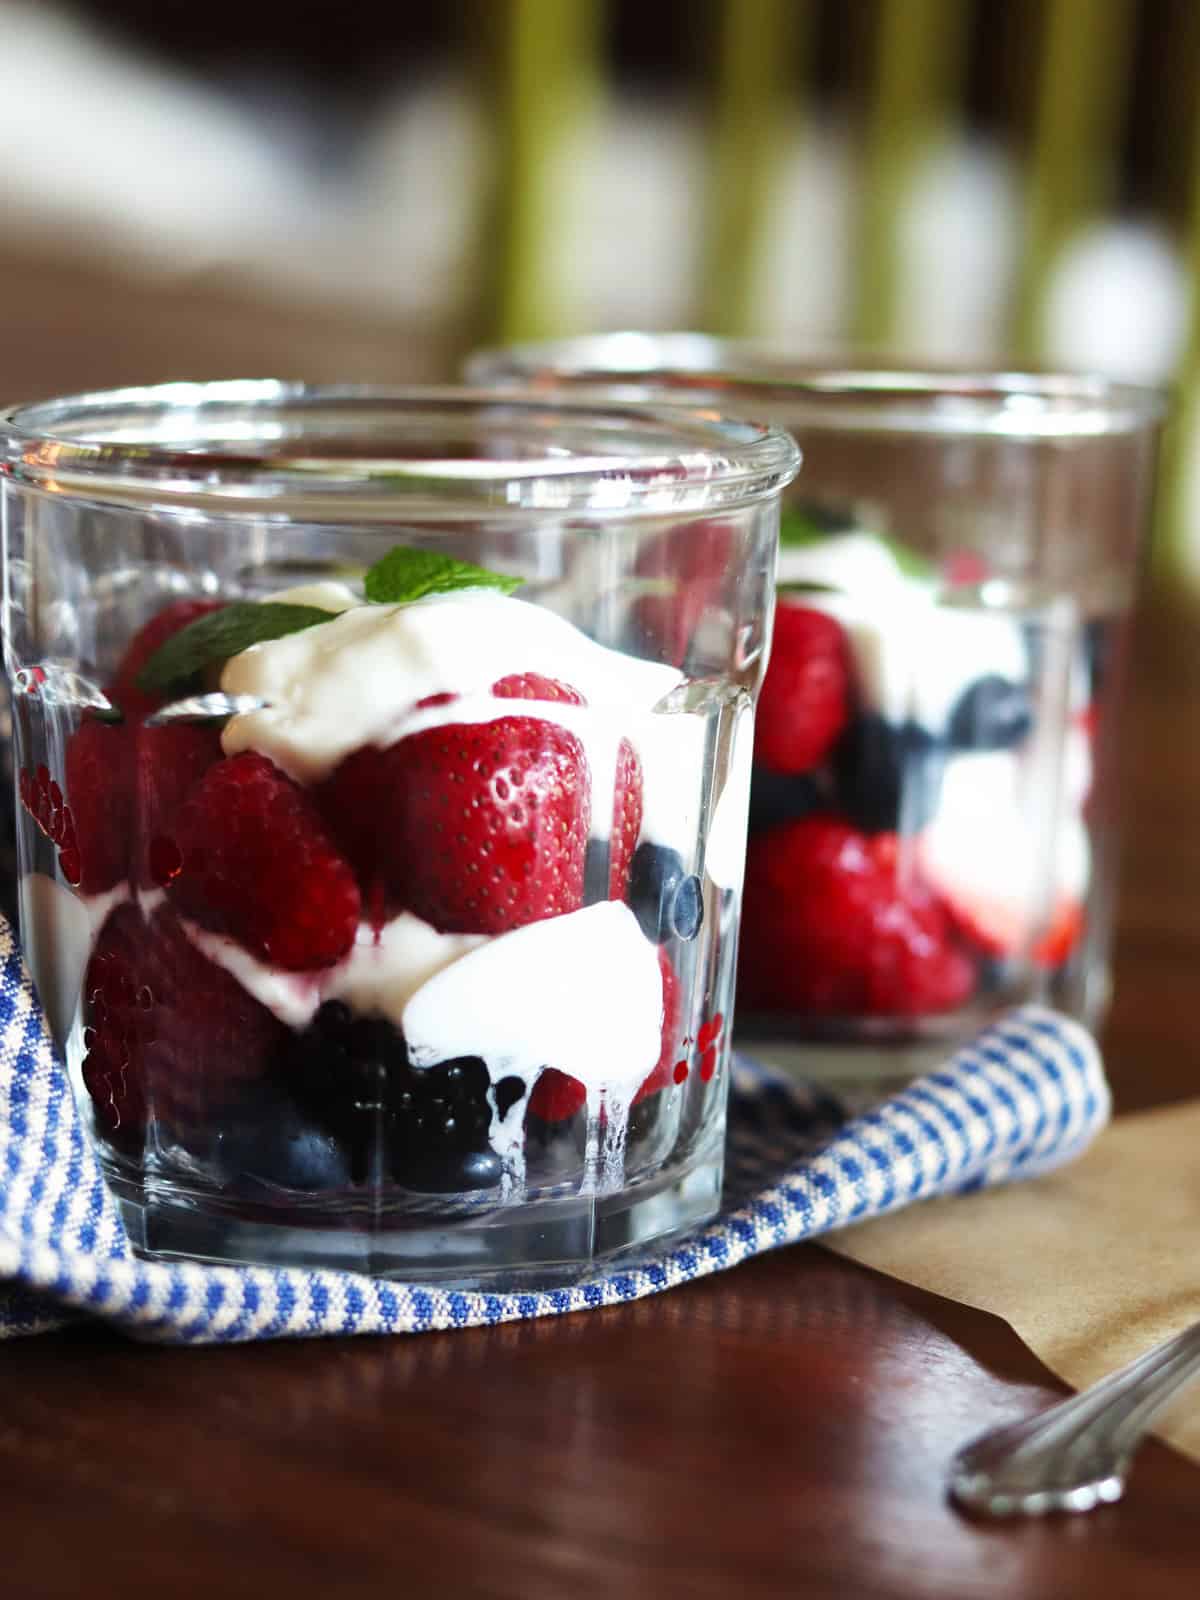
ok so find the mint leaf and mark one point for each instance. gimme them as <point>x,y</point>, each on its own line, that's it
<point>407,574</point>
<point>222,634</point>
<point>911,564</point>
<point>804,528</point>
<point>796,528</point>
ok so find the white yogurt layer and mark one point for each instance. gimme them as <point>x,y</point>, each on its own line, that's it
<point>914,657</point>
<point>58,930</point>
<point>378,978</point>
<point>725,849</point>
<point>857,562</point>
<point>341,684</point>
<point>988,841</point>
<point>581,992</point>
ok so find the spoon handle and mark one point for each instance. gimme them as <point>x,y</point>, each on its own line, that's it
<point>1075,1455</point>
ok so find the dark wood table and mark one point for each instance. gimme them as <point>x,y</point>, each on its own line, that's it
<point>780,1430</point>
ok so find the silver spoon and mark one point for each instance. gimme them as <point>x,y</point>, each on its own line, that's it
<point>1077,1454</point>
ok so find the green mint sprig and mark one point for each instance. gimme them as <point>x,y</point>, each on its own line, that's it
<point>402,575</point>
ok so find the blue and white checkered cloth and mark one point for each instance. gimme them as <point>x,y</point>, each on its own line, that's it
<point>1026,1096</point>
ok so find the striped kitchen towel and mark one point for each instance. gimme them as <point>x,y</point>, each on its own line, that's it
<point>1027,1095</point>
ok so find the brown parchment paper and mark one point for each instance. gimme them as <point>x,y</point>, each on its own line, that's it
<point>1091,1265</point>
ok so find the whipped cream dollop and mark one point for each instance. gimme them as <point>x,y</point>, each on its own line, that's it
<point>342,684</point>
<point>383,970</point>
<point>581,992</point>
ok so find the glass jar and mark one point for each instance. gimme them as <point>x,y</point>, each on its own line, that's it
<point>933,815</point>
<point>379,857</point>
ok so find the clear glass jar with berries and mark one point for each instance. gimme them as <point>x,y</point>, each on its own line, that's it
<point>384,765</point>
<point>933,809</point>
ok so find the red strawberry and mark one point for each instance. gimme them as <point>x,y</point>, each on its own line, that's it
<point>672,1042</point>
<point>557,1096</point>
<point>135,702</point>
<point>626,820</point>
<point>690,563</point>
<point>532,686</point>
<point>251,858</point>
<point>476,828</point>
<point>833,923</point>
<point>805,700</point>
<point>167,1032</point>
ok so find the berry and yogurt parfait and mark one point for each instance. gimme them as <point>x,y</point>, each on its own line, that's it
<point>380,866</point>
<point>933,811</point>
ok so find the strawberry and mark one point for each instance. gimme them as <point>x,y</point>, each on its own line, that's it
<point>804,705</point>
<point>249,856</point>
<point>135,702</point>
<point>834,924</point>
<point>166,1031</point>
<point>533,686</point>
<point>673,1050</point>
<point>626,820</point>
<point>476,827</point>
<point>689,564</point>
<point>557,1096</point>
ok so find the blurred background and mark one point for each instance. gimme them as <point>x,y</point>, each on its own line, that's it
<point>365,191</point>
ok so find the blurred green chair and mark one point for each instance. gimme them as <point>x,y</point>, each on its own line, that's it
<point>544,69</point>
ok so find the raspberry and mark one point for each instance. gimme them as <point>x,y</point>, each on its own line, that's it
<point>834,924</point>
<point>476,828</point>
<point>249,856</point>
<point>167,1032</point>
<point>170,760</point>
<point>43,799</point>
<point>99,773</point>
<point>805,700</point>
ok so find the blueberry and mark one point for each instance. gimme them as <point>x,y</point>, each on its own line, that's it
<point>888,777</point>
<point>425,1129</point>
<point>265,1138</point>
<point>688,911</point>
<point>1099,648</point>
<point>666,900</point>
<point>476,1169</point>
<point>595,871</point>
<point>782,797</point>
<point>993,713</point>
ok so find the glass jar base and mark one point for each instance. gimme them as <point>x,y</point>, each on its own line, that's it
<point>534,1244</point>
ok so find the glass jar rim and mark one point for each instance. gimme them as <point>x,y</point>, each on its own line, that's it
<point>239,445</point>
<point>836,394</point>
